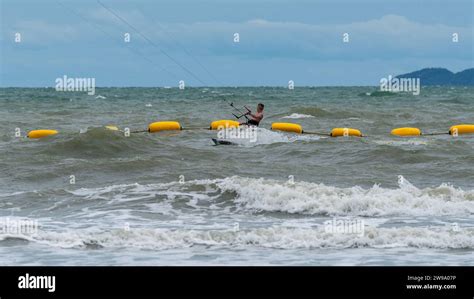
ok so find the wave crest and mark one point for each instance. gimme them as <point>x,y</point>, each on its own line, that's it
<point>271,237</point>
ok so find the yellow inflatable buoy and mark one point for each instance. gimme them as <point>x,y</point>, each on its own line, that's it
<point>287,127</point>
<point>41,133</point>
<point>224,124</point>
<point>461,129</point>
<point>339,132</point>
<point>112,128</point>
<point>164,126</point>
<point>406,132</point>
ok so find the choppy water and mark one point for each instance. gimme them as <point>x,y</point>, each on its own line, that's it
<point>173,198</point>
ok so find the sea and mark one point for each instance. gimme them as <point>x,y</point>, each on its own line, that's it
<point>94,196</point>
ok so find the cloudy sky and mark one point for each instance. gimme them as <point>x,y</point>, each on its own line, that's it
<point>193,40</point>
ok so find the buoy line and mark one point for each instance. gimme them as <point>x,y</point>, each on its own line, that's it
<point>160,126</point>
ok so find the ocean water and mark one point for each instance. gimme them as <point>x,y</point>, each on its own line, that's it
<point>91,196</point>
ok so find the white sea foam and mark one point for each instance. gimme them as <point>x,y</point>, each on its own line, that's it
<point>297,115</point>
<point>312,198</point>
<point>264,136</point>
<point>105,230</point>
<point>416,141</point>
<point>302,197</point>
<point>270,237</point>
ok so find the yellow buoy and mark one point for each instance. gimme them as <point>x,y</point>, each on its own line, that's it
<point>406,132</point>
<point>461,129</point>
<point>223,124</point>
<point>338,132</point>
<point>287,127</point>
<point>41,133</point>
<point>164,126</point>
<point>112,128</point>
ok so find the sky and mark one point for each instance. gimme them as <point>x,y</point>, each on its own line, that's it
<point>194,41</point>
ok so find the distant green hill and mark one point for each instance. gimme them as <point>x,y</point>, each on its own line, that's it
<point>442,76</point>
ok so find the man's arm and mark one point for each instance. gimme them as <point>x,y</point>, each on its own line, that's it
<point>257,116</point>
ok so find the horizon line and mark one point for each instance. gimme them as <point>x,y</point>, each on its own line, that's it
<point>240,86</point>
